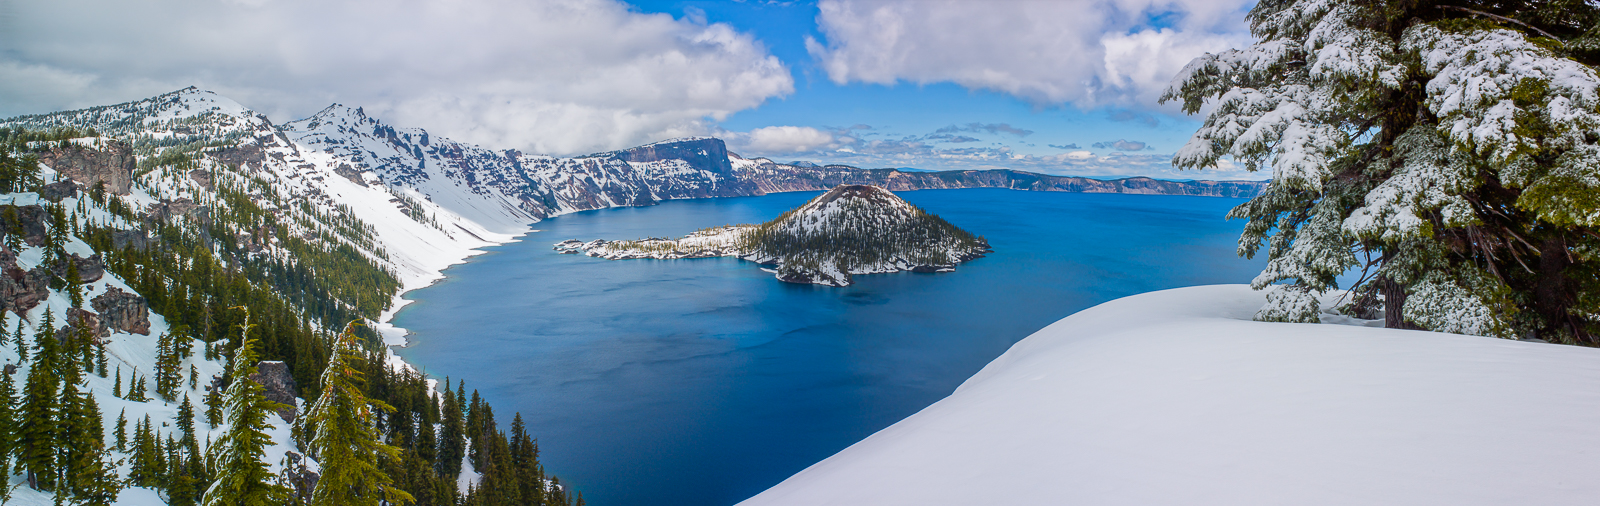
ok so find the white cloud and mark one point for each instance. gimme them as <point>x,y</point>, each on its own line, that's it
<point>1089,53</point>
<point>552,76</point>
<point>780,139</point>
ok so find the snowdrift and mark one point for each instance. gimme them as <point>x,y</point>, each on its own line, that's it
<point>1176,397</point>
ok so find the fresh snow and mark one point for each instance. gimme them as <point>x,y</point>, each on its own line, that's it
<point>1177,397</point>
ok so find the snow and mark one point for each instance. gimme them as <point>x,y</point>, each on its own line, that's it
<point>1176,397</point>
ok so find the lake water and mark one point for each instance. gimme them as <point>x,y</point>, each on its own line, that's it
<point>703,382</point>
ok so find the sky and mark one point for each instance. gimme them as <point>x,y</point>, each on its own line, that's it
<point>1066,87</point>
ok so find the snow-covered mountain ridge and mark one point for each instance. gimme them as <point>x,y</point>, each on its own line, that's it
<point>851,229</point>
<point>431,201</point>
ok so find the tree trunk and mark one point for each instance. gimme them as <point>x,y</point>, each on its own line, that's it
<point>1394,300</point>
<point>1551,297</point>
<point>1394,303</point>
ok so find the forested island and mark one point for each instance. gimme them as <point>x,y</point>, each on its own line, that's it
<point>851,229</point>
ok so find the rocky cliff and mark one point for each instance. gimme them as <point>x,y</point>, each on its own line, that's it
<point>773,177</point>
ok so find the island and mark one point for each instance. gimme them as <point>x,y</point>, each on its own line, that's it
<point>851,229</point>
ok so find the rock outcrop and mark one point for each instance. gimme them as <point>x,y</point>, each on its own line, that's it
<point>113,163</point>
<point>135,239</point>
<point>59,190</point>
<point>21,291</point>
<point>274,376</point>
<point>123,311</point>
<point>301,478</point>
<point>29,219</point>
<point>89,269</point>
<point>82,318</point>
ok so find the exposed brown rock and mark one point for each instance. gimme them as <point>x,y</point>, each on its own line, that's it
<point>135,239</point>
<point>21,291</point>
<point>123,311</point>
<point>29,219</point>
<point>89,269</point>
<point>201,177</point>
<point>81,318</point>
<point>274,376</point>
<point>347,172</point>
<point>55,192</point>
<point>113,163</point>
<point>303,479</point>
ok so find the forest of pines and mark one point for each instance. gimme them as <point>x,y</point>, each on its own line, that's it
<point>405,442</point>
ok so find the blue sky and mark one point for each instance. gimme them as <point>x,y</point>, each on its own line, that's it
<point>921,111</point>
<point>1063,87</point>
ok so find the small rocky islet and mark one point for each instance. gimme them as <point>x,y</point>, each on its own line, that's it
<point>851,229</point>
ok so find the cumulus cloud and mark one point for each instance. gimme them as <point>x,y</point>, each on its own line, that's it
<point>779,139</point>
<point>551,76</point>
<point>1122,145</point>
<point>1065,146</point>
<point>1088,53</point>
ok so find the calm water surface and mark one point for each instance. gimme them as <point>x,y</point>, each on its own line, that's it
<point>703,382</point>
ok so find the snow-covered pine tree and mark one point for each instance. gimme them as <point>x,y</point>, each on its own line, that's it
<point>240,469</point>
<point>1452,145</point>
<point>344,437</point>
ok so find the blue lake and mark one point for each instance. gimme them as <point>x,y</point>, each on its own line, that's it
<point>703,382</point>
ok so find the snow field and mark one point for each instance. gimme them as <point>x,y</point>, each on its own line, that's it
<point>1176,397</point>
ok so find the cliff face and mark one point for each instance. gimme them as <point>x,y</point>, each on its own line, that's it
<point>772,178</point>
<point>112,164</point>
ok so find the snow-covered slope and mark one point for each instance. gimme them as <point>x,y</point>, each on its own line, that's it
<point>1176,397</point>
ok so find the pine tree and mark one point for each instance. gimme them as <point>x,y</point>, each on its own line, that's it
<point>344,438</point>
<point>22,344</point>
<point>168,374</point>
<point>213,401</point>
<point>1451,144</point>
<point>452,435</point>
<point>121,432</point>
<point>241,473</point>
<point>87,463</point>
<point>8,423</point>
<point>38,434</point>
<point>136,392</point>
<point>116,386</point>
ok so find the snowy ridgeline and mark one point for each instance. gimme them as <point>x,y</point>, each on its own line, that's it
<point>1177,397</point>
<point>852,229</point>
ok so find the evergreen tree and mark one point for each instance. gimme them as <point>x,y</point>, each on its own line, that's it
<point>1451,144</point>
<point>213,401</point>
<point>168,374</point>
<point>116,386</point>
<point>452,435</point>
<point>38,434</point>
<point>344,438</point>
<point>86,461</point>
<point>121,432</point>
<point>22,344</point>
<point>136,392</point>
<point>241,473</point>
<point>8,423</point>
